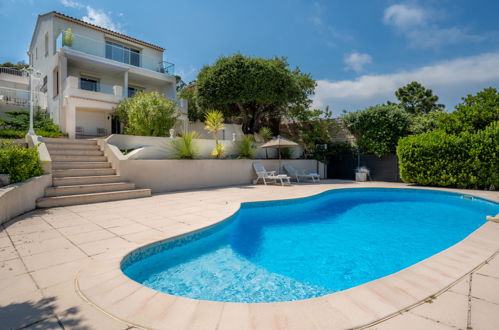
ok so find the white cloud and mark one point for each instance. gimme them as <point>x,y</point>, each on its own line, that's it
<point>356,61</point>
<point>449,79</point>
<point>72,4</point>
<point>419,27</point>
<point>403,16</point>
<point>100,18</point>
<point>94,16</point>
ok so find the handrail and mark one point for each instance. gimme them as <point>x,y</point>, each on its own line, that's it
<point>12,71</point>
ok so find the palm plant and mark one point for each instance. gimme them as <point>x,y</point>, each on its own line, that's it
<point>266,135</point>
<point>185,147</point>
<point>245,148</point>
<point>214,123</point>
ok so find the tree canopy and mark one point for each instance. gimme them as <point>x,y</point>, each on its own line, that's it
<point>253,90</point>
<point>416,99</point>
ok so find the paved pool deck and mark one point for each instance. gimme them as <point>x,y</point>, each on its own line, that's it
<point>59,268</point>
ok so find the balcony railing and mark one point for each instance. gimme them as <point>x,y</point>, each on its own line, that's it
<point>13,71</point>
<point>112,51</point>
<point>19,97</point>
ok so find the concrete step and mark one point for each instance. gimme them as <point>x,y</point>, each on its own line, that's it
<point>73,158</point>
<point>69,141</point>
<point>70,146</point>
<point>82,172</point>
<point>92,198</point>
<point>71,181</point>
<point>75,152</point>
<point>88,188</point>
<point>71,165</point>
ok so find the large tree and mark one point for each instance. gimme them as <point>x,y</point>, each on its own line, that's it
<point>417,99</point>
<point>254,90</point>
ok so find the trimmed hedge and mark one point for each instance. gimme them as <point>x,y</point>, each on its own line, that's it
<point>465,160</point>
<point>19,163</point>
<point>14,134</point>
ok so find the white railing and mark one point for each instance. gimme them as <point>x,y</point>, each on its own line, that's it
<point>13,71</point>
<point>20,97</point>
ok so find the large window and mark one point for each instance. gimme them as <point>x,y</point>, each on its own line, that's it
<point>89,84</point>
<point>122,53</point>
<point>133,90</point>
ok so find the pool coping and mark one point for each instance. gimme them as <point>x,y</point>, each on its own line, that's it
<point>103,285</point>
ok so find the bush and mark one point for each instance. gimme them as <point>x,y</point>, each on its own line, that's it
<point>18,162</point>
<point>185,147</point>
<point>19,121</point>
<point>378,128</point>
<point>148,114</point>
<point>13,134</point>
<point>466,160</point>
<point>245,148</point>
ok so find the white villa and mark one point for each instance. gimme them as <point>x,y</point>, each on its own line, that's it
<point>86,70</point>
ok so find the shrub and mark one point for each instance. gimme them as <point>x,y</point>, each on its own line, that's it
<point>13,134</point>
<point>18,162</point>
<point>378,128</point>
<point>475,113</point>
<point>466,160</point>
<point>286,153</point>
<point>185,147</point>
<point>148,114</point>
<point>219,151</point>
<point>245,147</point>
<point>19,121</point>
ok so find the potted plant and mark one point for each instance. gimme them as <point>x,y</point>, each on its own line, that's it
<point>68,37</point>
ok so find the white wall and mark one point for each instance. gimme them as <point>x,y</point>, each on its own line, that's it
<point>91,120</point>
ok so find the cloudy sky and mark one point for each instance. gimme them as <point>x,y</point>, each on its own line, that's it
<point>359,51</point>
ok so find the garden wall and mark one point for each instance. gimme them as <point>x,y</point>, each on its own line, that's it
<point>381,169</point>
<point>21,197</point>
<point>163,175</point>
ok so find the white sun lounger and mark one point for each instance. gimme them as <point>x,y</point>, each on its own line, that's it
<point>297,174</point>
<point>269,176</point>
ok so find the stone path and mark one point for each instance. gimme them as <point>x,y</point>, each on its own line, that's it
<point>42,251</point>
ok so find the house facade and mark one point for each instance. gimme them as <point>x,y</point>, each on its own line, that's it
<point>86,70</point>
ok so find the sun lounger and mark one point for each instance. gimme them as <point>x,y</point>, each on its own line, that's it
<point>269,176</point>
<point>297,174</point>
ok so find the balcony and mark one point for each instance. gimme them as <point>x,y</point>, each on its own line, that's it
<point>97,92</point>
<point>112,51</point>
<point>21,98</point>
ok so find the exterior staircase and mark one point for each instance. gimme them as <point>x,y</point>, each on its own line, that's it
<point>82,174</point>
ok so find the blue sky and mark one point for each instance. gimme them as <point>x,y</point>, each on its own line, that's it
<point>358,51</point>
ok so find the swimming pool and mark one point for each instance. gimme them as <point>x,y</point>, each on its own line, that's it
<point>309,247</point>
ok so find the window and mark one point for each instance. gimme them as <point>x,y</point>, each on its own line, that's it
<point>46,44</point>
<point>133,90</point>
<point>122,53</point>
<point>36,53</point>
<point>89,84</point>
<point>55,79</point>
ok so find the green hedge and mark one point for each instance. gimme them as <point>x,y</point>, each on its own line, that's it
<point>14,134</point>
<point>465,160</point>
<point>18,162</point>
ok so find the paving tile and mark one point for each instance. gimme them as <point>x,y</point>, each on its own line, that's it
<point>5,241</point>
<point>8,253</point>
<point>485,287</point>
<point>59,243</point>
<point>144,237</point>
<point>58,274</point>
<point>11,268</point>
<point>408,321</point>
<point>90,236</point>
<point>40,236</point>
<point>106,245</point>
<point>128,229</point>
<point>484,315</point>
<point>82,228</point>
<point>49,323</point>
<point>24,309</point>
<point>462,287</point>
<point>490,269</point>
<point>52,258</point>
<point>449,308</point>
<point>15,285</point>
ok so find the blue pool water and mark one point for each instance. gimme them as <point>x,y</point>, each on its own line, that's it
<point>304,248</point>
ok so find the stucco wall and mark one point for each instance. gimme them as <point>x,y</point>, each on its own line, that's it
<point>21,197</point>
<point>171,175</point>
